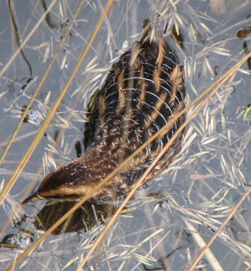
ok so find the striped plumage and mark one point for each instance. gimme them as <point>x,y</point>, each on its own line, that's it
<point>142,92</point>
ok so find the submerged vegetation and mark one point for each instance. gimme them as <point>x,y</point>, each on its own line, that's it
<point>169,221</point>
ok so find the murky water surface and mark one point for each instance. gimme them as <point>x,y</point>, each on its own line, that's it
<point>157,229</point>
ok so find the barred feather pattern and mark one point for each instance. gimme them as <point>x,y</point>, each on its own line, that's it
<point>142,93</point>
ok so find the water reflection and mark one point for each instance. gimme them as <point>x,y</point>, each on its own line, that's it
<point>83,219</point>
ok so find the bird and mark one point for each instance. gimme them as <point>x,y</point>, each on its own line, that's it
<point>142,92</point>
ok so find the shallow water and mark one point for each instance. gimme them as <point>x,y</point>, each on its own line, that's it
<point>201,186</point>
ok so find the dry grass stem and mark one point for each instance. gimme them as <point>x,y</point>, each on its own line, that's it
<point>165,224</point>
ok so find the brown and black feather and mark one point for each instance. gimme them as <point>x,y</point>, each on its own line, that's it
<point>142,92</point>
